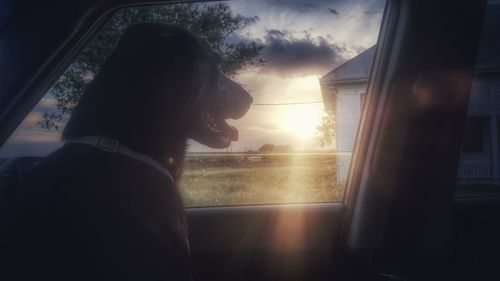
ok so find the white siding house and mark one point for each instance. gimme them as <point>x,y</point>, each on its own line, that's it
<point>343,91</point>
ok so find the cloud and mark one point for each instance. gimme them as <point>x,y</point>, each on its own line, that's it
<point>333,11</point>
<point>294,4</point>
<point>46,104</point>
<point>289,56</point>
<point>375,12</point>
<point>305,7</point>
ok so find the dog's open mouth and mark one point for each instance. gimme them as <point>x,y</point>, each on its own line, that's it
<point>218,127</point>
<point>226,100</point>
<point>211,127</point>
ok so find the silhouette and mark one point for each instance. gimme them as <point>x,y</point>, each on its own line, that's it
<point>106,205</point>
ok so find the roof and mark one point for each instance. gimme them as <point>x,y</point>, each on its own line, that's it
<point>357,69</point>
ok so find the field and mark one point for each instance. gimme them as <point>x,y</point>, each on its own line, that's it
<point>211,179</point>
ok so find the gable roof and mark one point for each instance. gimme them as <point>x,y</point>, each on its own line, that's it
<point>355,69</point>
<point>358,68</point>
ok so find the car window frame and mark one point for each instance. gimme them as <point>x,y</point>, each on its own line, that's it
<point>92,22</point>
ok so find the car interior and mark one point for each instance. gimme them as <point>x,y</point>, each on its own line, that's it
<point>412,209</point>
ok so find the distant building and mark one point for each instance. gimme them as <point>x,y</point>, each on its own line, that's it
<point>344,87</point>
<point>254,158</point>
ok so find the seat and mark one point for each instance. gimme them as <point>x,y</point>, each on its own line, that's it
<point>13,171</point>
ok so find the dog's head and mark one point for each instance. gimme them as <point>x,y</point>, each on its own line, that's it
<point>219,99</point>
<point>215,97</point>
<point>160,85</point>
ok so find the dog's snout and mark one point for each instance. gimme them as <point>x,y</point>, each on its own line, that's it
<point>243,101</point>
<point>249,98</point>
<point>235,99</point>
<point>242,96</point>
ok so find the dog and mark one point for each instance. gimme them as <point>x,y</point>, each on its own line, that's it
<point>106,205</point>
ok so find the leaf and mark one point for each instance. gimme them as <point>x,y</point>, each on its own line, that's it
<point>325,131</point>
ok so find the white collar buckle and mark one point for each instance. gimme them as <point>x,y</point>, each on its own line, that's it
<point>106,144</point>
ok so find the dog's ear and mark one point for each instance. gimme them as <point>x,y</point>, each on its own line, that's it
<point>144,89</point>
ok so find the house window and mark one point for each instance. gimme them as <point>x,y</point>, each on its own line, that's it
<point>473,136</point>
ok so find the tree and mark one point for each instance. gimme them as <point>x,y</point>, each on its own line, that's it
<point>267,148</point>
<point>326,129</point>
<point>284,149</point>
<point>212,22</point>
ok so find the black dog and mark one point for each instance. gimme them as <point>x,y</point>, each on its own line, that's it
<point>104,206</point>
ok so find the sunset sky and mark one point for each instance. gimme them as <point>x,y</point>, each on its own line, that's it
<point>303,40</point>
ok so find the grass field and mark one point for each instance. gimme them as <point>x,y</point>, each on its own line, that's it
<point>242,179</point>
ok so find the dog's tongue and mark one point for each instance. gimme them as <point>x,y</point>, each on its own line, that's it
<point>230,131</point>
<point>233,133</point>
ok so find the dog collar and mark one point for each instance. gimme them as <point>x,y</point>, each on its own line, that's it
<point>113,146</point>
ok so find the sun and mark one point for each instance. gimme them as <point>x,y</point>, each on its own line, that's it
<point>302,120</point>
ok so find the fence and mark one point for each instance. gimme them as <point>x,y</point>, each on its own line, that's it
<point>474,170</point>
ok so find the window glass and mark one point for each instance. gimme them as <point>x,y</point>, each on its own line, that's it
<point>479,168</point>
<point>306,64</point>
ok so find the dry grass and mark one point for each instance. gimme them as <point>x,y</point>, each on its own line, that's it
<point>232,179</point>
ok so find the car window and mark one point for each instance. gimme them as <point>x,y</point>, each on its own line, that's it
<point>479,168</point>
<point>306,64</point>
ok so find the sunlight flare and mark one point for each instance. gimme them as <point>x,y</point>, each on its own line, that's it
<point>302,119</point>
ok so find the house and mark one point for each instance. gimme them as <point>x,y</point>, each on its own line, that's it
<point>344,87</point>
<point>343,91</point>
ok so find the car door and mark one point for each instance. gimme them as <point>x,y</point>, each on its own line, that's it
<point>404,225</point>
<point>410,128</point>
<point>268,214</point>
